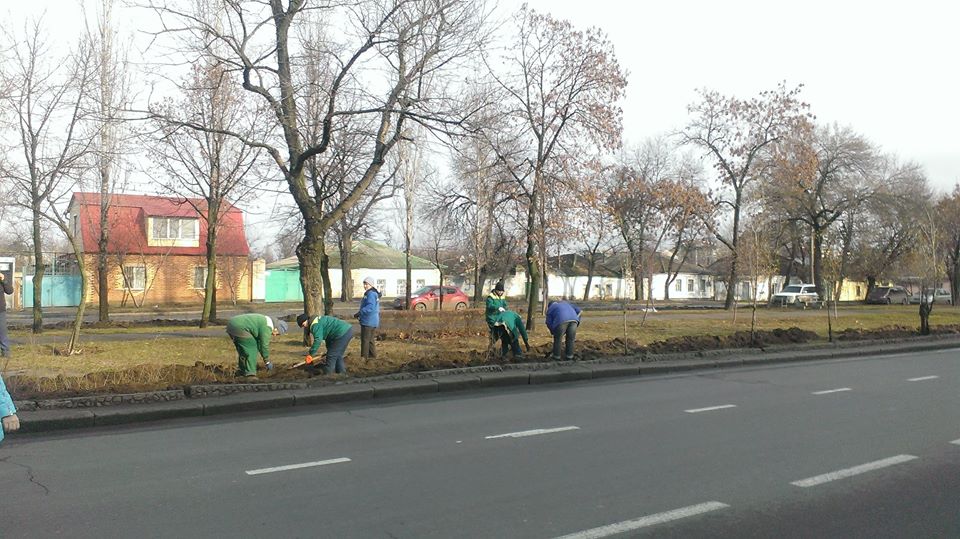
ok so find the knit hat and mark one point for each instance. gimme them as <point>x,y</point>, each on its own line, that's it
<point>369,280</point>
<point>498,287</point>
<point>301,318</point>
<point>280,326</point>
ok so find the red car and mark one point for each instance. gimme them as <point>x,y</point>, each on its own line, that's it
<point>427,297</point>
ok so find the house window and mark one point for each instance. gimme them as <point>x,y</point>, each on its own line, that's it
<point>200,277</point>
<point>689,285</point>
<point>401,287</point>
<point>421,283</point>
<point>135,277</point>
<point>381,284</point>
<point>678,285</point>
<point>174,228</point>
<point>703,285</point>
<point>609,289</point>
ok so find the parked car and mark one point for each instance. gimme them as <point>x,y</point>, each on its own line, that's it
<point>939,296</point>
<point>887,295</point>
<point>796,294</point>
<point>427,297</point>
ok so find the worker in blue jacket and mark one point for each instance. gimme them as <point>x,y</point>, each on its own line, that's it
<point>563,319</point>
<point>7,411</point>
<point>369,317</point>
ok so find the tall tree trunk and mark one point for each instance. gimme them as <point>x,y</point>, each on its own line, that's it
<point>81,309</point>
<point>586,291</point>
<point>346,264</point>
<point>533,268</point>
<point>308,254</point>
<point>103,268</point>
<point>325,276</point>
<point>38,271</point>
<point>210,284</point>
<point>735,241</point>
<point>818,261</point>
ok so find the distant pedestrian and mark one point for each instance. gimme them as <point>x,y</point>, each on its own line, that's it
<point>334,332</point>
<point>251,336</point>
<point>369,317</point>
<point>8,411</point>
<point>6,287</point>
<point>509,329</point>
<point>563,319</point>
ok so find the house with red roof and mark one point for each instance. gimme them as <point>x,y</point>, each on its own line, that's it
<point>157,249</point>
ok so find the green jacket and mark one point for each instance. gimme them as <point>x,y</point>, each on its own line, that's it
<point>514,324</point>
<point>493,309</point>
<point>326,328</point>
<point>252,326</point>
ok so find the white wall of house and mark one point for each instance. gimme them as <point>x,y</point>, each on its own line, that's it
<point>390,282</point>
<point>766,287</point>
<point>685,286</point>
<point>574,286</point>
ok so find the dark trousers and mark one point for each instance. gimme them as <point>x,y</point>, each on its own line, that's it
<point>4,339</point>
<point>336,348</point>
<point>508,341</point>
<point>566,331</point>
<point>368,342</point>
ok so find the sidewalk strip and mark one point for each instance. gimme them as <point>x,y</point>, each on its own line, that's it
<point>643,522</point>
<point>826,391</point>
<point>922,378</point>
<point>533,432</point>
<point>296,466</point>
<point>849,472</point>
<point>710,408</point>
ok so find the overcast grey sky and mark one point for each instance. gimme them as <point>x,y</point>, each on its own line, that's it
<point>888,69</point>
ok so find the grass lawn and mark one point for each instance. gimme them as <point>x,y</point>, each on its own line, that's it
<point>409,342</point>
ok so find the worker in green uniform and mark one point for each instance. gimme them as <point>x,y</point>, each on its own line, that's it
<point>333,331</point>
<point>251,335</point>
<point>496,304</point>
<point>509,329</point>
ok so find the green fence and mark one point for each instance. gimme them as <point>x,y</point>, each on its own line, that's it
<point>283,285</point>
<point>56,291</point>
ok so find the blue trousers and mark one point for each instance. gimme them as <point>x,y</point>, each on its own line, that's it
<point>336,348</point>
<point>4,339</point>
<point>567,330</point>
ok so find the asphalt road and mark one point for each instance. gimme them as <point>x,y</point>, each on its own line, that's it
<point>847,448</point>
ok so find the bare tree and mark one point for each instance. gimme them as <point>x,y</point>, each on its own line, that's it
<point>412,44</point>
<point>208,169</point>
<point>559,85</point>
<point>49,102</point>
<point>112,98</point>
<point>735,133</point>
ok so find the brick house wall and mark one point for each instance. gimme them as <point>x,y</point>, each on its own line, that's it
<point>170,279</point>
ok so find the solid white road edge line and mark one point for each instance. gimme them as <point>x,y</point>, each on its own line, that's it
<point>643,522</point>
<point>533,432</point>
<point>922,378</point>
<point>826,391</point>
<point>296,466</point>
<point>849,472</point>
<point>710,408</point>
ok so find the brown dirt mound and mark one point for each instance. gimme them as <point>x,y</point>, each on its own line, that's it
<point>740,339</point>
<point>893,332</point>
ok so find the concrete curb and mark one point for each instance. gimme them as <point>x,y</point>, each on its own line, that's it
<point>538,374</point>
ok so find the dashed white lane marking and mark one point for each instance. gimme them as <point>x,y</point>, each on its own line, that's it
<point>710,408</point>
<point>922,378</point>
<point>856,470</point>
<point>827,391</point>
<point>533,432</point>
<point>296,466</point>
<point>643,522</point>
<point>955,442</point>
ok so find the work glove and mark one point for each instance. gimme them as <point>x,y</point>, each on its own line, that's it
<point>502,309</point>
<point>357,316</point>
<point>308,360</point>
<point>11,423</point>
<point>269,365</point>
